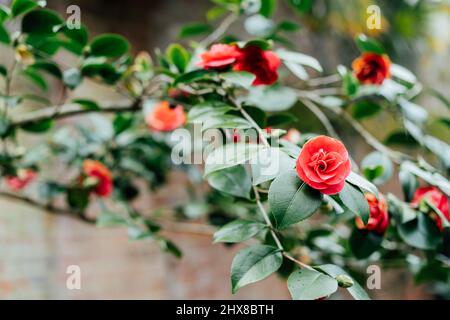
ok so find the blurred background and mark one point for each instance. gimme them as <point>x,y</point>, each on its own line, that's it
<point>36,247</point>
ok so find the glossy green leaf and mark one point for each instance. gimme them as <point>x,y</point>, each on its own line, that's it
<point>72,78</point>
<point>87,104</point>
<point>363,243</point>
<point>367,44</point>
<point>41,22</point>
<point>234,181</point>
<point>334,271</point>
<point>230,155</point>
<point>253,264</point>
<point>178,55</point>
<point>292,200</point>
<point>306,284</point>
<point>109,45</point>
<point>268,7</point>
<point>362,183</point>
<point>421,233</point>
<point>355,200</point>
<point>36,78</point>
<point>194,29</point>
<point>38,126</point>
<point>240,78</point>
<point>4,35</point>
<point>372,164</point>
<point>274,98</point>
<point>238,231</point>
<point>19,7</point>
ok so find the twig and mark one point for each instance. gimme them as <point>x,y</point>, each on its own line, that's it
<point>70,110</point>
<point>324,80</point>
<point>220,30</point>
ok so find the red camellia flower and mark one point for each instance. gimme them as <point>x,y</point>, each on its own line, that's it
<point>98,171</point>
<point>263,64</point>
<point>21,180</point>
<point>435,197</point>
<point>165,117</point>
<point>324,164</point>
<point>372,68</point>
<point>379,218</point>
<point>219,56</point>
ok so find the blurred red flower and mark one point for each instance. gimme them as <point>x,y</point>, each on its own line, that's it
<point>21,180</point>
<point>372,68</point>
<point>435,197</point>
<point>98,171</point>
<point>165,117</point>
<point>379,217</point>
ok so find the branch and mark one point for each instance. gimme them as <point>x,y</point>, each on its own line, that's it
<point>70,110</point>
<point>220,30</point>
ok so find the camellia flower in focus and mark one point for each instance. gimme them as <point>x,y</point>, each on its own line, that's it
<point>324,164</point>
<point>435,197</point>
<point>379,217</point>
<point>372,68</point>
<point>219,56</point>
<point>100,175</point>
<point>165,117</point>
<point>21,180</point>
<point>293,135</point>
<point>263,64</point>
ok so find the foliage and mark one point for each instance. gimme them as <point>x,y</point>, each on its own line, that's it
<point>282,214</point>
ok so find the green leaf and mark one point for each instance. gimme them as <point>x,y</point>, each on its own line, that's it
<point>375,161</point>
<point>87,104</point>
<point>279,119</point>
<point>401,138</point>
<point>41,22</point>
<point>306,284</point>
<point>230,155</point>
<point>36,78</point>
<point>367,44</point>
<point>240,78</point>
<point>259,26</point>
<point>79,36</point>
<point>194,29</point>
<point>72,78</point>
<point>402,73</point>
<point>302,6</point>
<point>122,122</point>
<point>234,181</point>
<point>238,231</point>
<point>192,76</point>
<point>253,264</point>
<point>300,58</point>
<point>78,199</point>
<point>203,111</point>
<point>38,126</point>
<point>269,164</point>
<point>421,233</point>
<point>362,183</point>
<point>364,242</point>
<point>268,7</point>
<point>292,200</point>
<point>19,7</point>
<point>170,247</point>
<point>3,70</point>
<point>409,183</point>
<point>109,45</point>
<point>179,56</point>
<point>49,67</point>
<point>215,13</point>
<point>108,219</point>
<point>355,200</point>
<point>412,111</point>
<point>365,109</point>
<point>334,271</point>
<point>288,26</point>
<point>4,35</point>
<point>97,68</point>
<point>273,98</point>
<point>5,13</point>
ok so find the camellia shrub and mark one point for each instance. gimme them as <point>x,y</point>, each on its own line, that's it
<point>224,110</point>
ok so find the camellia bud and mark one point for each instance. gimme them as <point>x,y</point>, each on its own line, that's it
<point>344,281</point>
